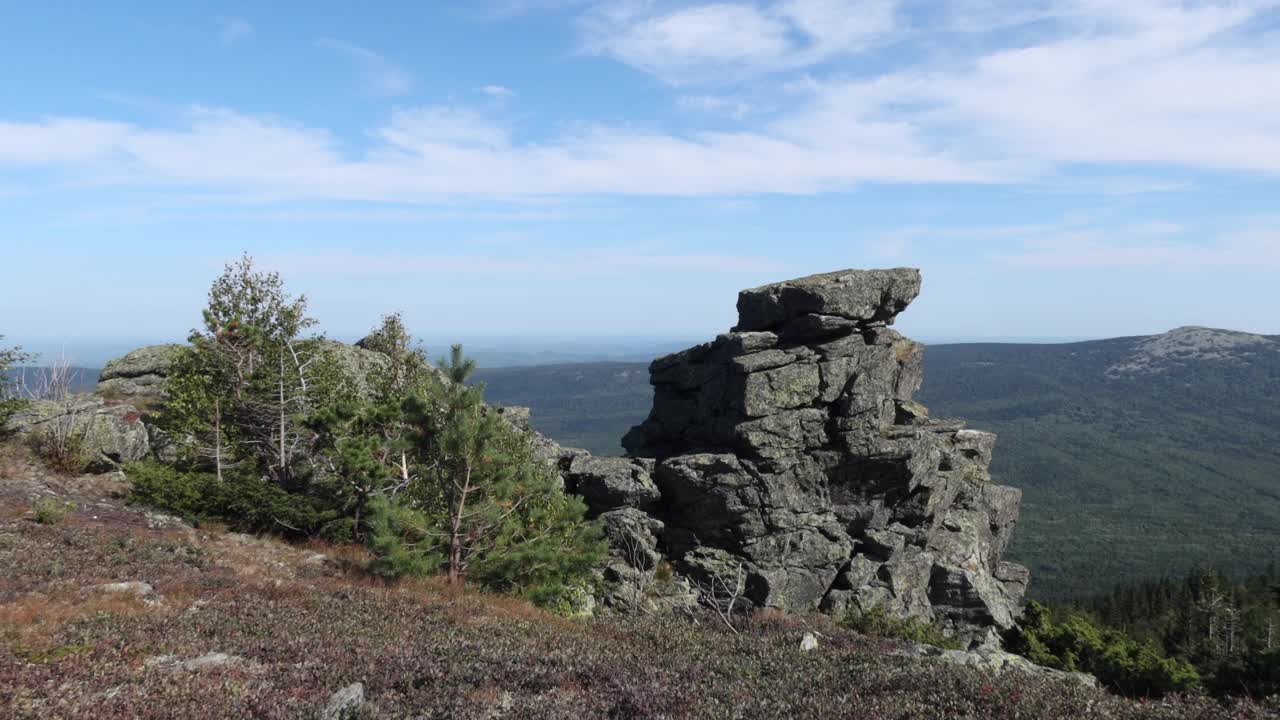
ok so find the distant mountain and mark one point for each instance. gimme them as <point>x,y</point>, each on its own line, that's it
<point>1138,456</point>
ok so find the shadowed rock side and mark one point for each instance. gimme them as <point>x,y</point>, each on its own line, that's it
<point>791,448</point>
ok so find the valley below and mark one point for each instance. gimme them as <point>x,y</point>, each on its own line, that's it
<point>1138,457</point>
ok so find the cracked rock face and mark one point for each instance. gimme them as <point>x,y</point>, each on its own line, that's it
<point>141,373</point>
<point>792,446</point>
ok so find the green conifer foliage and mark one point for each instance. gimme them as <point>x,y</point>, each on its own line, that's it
<point>241,392</point>
<point>480,505</point>
<point>1071,641</point>
<point>10,400</point>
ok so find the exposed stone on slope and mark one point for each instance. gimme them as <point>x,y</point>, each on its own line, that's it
<point>1157,353</point>
<point>345,703</point>
<point>140,373</point>
<point>104,435</point>
<point>357,364</point>
<point>998,662</point>
<point>790,451</point>
<point>610,483</point>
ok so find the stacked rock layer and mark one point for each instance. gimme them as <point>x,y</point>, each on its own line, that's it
<point>789,455</point>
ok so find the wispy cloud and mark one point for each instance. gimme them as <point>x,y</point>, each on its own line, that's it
<point>580,262</point>
<point>232,29</point>
<point>379,75</point>
<point>1253,250</point>
<point>1087,243</point>
<point>1167,87</point>
<point>428,153</point>
<point>497,92</point>
<point>736,108</point>
<point>709,41</point>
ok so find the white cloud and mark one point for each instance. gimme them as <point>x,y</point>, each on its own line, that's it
<point>714,40</point>
<point>736,108</point>
<point>1127,91</point>
<point>440,131</point>
<point>59,141</point>
<point>586,261</point>
<point>429,153</point>
<point>231,29</point>
<point>497,92</point>
<point>380,76</point>
<point>1252,250</point>
<point>1090,243</point>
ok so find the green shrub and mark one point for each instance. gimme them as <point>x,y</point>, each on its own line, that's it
<point>241,500</point>
<point>402,540</point>
<point>50,510</point>
<point>876,622</point>
<point>10,400</point>
<point>188,495</point>
<point>1074,643</point>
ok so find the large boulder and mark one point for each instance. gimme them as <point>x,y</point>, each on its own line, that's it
<point>140,373</point>
<point>91,434</point>
<point>855,296</point>
<point>611,483</point>
<point>790,451</point>
<point>357,364</point>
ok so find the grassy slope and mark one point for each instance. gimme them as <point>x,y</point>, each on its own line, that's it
<point>296,630</point>
<point>1122,477</point>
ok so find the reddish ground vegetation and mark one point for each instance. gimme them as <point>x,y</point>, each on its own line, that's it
<point>293,624</point>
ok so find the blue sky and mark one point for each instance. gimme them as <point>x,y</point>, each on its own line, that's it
<point>1080,168</point>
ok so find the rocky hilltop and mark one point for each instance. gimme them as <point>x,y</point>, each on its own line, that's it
<point>787,460</point>
<point>783,465</point>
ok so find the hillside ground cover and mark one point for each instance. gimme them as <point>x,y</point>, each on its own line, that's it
<point>231,625</point>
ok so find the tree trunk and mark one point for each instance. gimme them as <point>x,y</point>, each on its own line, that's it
<point>455,531</point>
<point>283,462</point>
<point>217,437</point>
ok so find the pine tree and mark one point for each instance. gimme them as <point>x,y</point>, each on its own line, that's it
<point>250,378</point>
<point>10,400</point>
<point>481,505</point>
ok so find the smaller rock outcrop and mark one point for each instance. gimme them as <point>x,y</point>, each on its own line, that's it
<point>997,662</point>
<point>344,704</point>
<point>95,435</point>
<point>140,373</point>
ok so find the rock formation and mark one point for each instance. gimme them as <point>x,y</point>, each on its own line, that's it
<point>96,436</point>
<point>786,461</point>
<point>783,465</point>
<point>138,374</point>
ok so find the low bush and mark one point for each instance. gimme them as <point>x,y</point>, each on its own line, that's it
<point>51,510</point>
<point>1074,643</point>
<point>875,622</point>
<point>241,500</point>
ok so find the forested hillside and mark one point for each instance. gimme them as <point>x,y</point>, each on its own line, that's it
<point>1136,459</point>
<point>1138,456</point>
<point>586,405</point>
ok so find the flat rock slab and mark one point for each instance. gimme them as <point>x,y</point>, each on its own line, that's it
<point>861,296</point>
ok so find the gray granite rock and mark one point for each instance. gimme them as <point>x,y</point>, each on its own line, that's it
<point>792,450</point>
<point>140,373</point>
<point>610,483</point>
<point>860,296</point>
<point>98,435</point>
